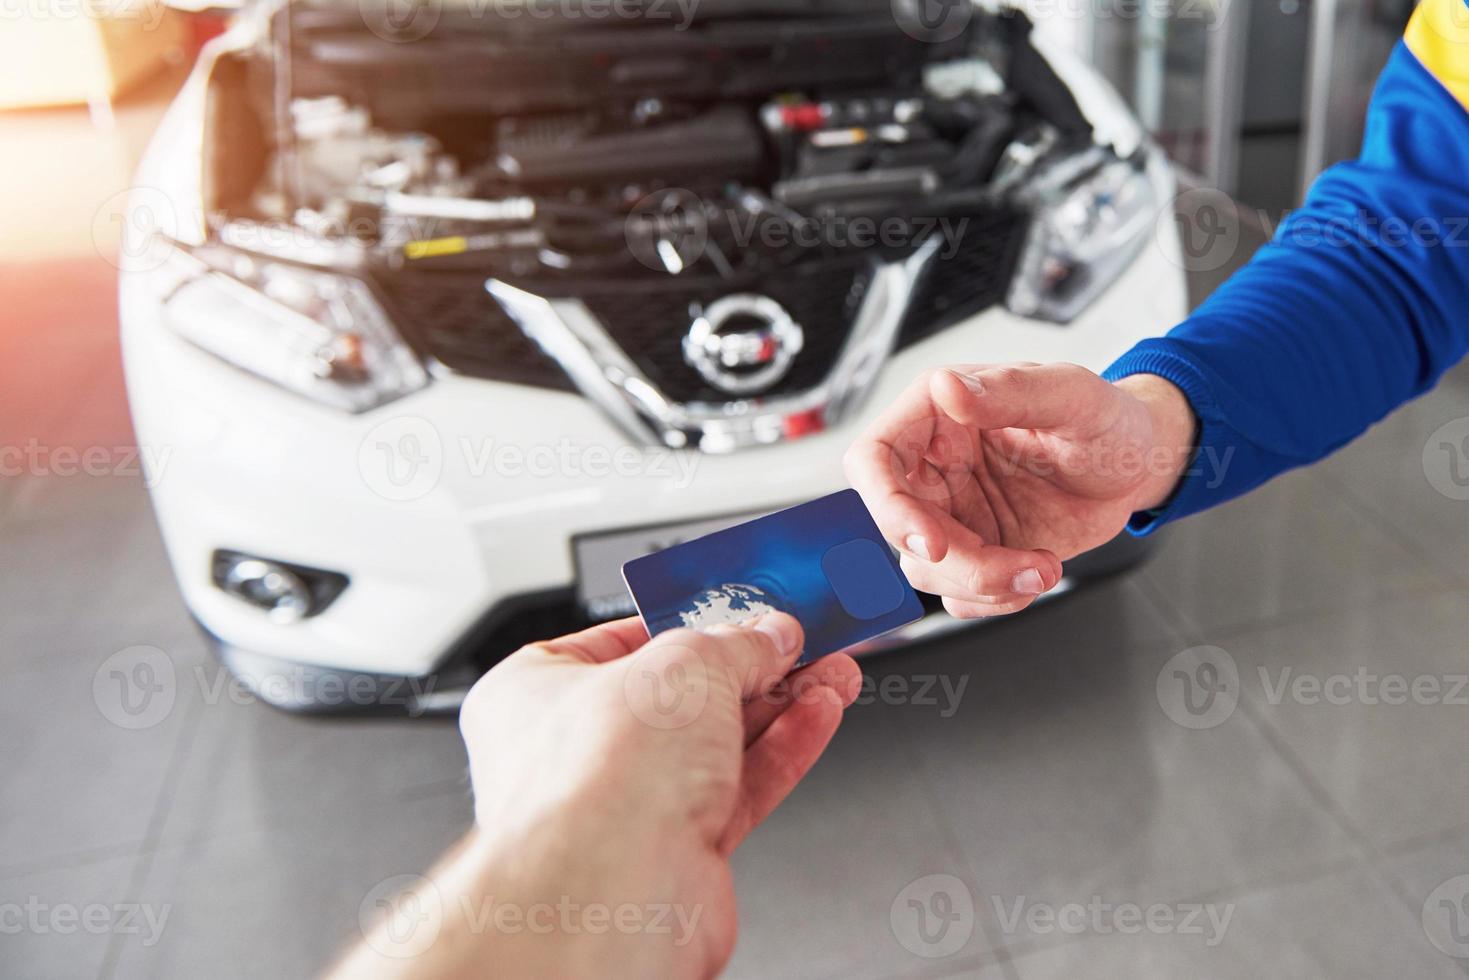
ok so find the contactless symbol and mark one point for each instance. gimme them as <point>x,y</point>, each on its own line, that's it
<point>743,344</point>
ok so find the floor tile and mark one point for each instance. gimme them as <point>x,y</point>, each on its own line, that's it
<point>284,902</point>
<point>818,882</point>
<point>1325,685</point>
<point>1433,880</point>
<point>1346,924</point>
<point>78,778</point>
<point>1063,777</point>
<point>85,573</point>
<point>58,923</point>
<point>1291,548</point>
<point>1387,474</point>
<point>251,767</point>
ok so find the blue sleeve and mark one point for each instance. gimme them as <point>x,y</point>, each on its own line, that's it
<point>1358,304</point>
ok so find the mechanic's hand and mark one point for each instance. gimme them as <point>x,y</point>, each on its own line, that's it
<point>986,477</point>
<point>613,777</point>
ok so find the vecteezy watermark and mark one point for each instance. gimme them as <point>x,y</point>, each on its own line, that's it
<point>933,456</point>
<point>148,13</point>
<point>1103,458</point>
<point>404,21</point>
<point>933,916</point>
<point>1018,915</point>
<point>139,687</point>
<point>839,231</point>
<point>36,458</point>
<point>1364,687</point>
<point>668,229</point>
<point>135,688</point>
<point>1209,224</point>
<point>404,459</point>
<point>667,685</point>
<point>941,691</point>
<point>401,459</point>
<point>42,918</point>
<point>402,917</point>
<point>1445,917</point>
<point>672,228</point>
<point>1199,687</point>
<point>1446,459</point>
<point>933,21</point>
<point>133,229</point>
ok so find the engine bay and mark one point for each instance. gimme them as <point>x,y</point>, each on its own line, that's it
<point>536,151</point>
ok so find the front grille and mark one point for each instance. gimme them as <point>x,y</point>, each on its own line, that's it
<point>448,315</point>
<point>964,280</point>
<point>650,319</point>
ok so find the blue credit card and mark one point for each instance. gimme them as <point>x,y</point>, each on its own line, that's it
<point>824,562</point>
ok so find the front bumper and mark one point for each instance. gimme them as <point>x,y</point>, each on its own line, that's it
<point>311,689</point>
<point>439,541</point>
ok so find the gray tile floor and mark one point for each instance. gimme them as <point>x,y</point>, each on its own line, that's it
<point>1309,820</point>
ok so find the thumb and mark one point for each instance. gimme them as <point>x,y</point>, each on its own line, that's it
<point>753,656</point>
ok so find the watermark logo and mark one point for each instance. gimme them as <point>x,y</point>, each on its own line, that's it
<point>148,14</point>
<point>400,917</point>
<point>42,918</point>
<point>135,688</point>
<point>933,21</point>
<point>1199,687</point>
<point>667,230</point>
<point>138,688</point>
<point>402,459</point>
<point>1207,221</point>
<point>1446,917</point>
<point>933,916</point>
<point>400,21</point>
<point>1446,459</point>
<point>1099,917</point>
<point>131,228</point>
<point>666,686</point>
<point>1365,687</point>
<point>36,458</point>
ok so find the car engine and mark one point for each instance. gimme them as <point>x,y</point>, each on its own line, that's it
<point>564,150</point>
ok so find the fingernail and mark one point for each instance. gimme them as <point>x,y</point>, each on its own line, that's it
<point>917,544</point>
<point>970,382</point>
<point>782,629</point>
<point>1028,582</point>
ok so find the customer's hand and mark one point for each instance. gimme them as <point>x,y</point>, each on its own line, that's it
<point>986,477</point>
<point>613,777</point>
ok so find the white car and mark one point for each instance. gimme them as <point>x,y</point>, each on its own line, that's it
<point>431,322</point>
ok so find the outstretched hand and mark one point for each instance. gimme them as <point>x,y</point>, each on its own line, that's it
<point>987,477</point>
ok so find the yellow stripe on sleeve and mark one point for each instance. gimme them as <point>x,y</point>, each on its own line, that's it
<point>1438,35</point>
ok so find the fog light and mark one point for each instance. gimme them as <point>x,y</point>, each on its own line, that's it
<point>284,592</point>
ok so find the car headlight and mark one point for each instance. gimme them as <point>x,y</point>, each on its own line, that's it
<point>317,333</point>
<point>1083,234</point>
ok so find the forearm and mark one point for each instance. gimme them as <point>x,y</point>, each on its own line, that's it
<point>1356,307</point>
<point>564,902</point>
<point>443,925</point>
